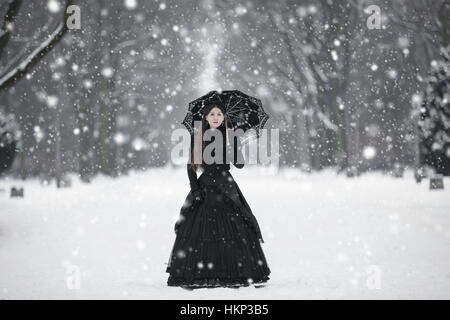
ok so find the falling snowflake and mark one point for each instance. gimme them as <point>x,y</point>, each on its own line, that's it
<point>139,144</point>
<point>334,55</point>
<point>369,152</point>
<point>87,83</point>
<point>392,73</point>
<point>52,101</point>
<point>181,254</point>
<point>119,138</point>
<point>107,72</point>
<point>130,4</point>
<point>53,6</point>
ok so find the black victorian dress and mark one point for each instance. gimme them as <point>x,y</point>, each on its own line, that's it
<point>217,238</point>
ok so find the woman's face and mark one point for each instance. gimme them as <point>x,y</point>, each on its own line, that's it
<point>215,117</point>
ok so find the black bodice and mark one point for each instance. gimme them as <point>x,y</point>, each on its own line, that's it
<point>218,170</point>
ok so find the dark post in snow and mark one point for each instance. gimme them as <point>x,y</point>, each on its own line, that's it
<point>436,182</point>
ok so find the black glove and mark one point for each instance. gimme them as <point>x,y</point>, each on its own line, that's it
<point>198,195</point>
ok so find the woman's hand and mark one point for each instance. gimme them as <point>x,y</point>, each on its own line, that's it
<point>198,195</point>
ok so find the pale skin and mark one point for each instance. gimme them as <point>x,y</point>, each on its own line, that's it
<point>215,117</point>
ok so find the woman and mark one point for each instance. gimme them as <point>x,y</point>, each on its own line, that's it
<point>217,236</point>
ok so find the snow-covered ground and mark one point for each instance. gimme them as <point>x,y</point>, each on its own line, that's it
<point>326,237</point>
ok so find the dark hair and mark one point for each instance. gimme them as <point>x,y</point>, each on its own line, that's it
<point>205,126</point>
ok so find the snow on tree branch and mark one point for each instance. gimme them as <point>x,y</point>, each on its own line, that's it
<point>24,64</point>
<point>14,70</point>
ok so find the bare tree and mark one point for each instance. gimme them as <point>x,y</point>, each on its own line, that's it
<point>31,53</point>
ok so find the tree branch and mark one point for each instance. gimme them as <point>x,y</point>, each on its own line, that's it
<point>16,73</point>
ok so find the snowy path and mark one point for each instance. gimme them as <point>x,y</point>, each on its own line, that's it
<point>326,237</point>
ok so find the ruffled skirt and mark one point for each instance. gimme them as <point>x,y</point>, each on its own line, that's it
<point>215,245</point>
